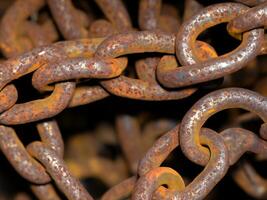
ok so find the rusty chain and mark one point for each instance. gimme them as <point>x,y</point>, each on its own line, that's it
<point>79,52</point>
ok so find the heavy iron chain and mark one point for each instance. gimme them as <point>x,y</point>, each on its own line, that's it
<point>99,49</point>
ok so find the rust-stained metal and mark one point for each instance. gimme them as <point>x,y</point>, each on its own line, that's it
<point>196,71</point>
<point>200,186</point>
<point>28,62</point>
<point>139,89</point>
<point>208,106</point>
<point>255,17</point>
<point>71,21</point>
<point>17,155</point>
<point>131,49</point>
<point>77,68</point>
<point>55,166</point>
<point>159,151</point>
<point>87,94</point>
<point>40,109</point>
<point>240,141</point>
<point>50,135</point>
<point>8,96</point>
<point>136,42</point>
<point>167,67</point>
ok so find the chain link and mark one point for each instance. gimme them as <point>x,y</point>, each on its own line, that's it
<point>114,56</point>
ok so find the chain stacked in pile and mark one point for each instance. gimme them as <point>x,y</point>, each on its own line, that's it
<point>76,57</point>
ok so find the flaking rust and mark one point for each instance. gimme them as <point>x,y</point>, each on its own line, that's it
<point>74,53</point>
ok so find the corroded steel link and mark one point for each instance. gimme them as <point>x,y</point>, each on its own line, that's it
<point>80,68</point>
<point>42,108</point>
<point>121,190</point>
<point>206,18</point>
<point>55,166</point>
<point>58,50</point>
<point>45,192</point>
<point>147,88</point>
<point>255,17</point>
<point>251,2</point>
<point>196,71</point>
<point>149,14</point>
<point>116,12</point>
<point>129,135</point>
<point>104,38</point>
<point>155,156</point>
<point>17,155</point>
<point>250,181</point>
<point>148,184</point>
<point>8,96</point>
<point>150,18</point>
<point>71,22</point>
<point>239,141</point>
<point>12,42</point>
<point>76,68</point>
<point>168,64</point>
<point>16,67</point>
<point>87,94</point>
<point>25,164</point>
<point>209,105</point>
<point>143,90</point>
<point>198,189</point>
<point>51,136</point>
<point>136,42</point>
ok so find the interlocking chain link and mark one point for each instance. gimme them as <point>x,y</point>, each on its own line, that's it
<point>80,52</point>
